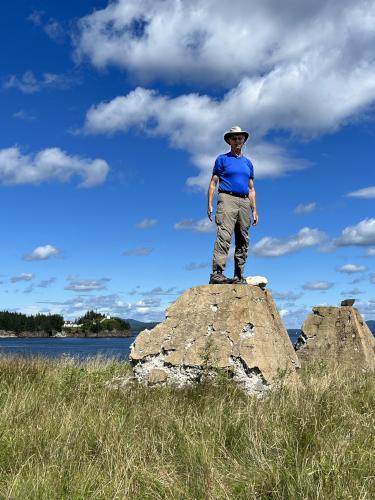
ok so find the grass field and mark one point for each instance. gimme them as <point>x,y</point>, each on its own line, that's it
<point>65,435</point>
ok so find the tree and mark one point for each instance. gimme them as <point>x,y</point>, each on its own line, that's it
<point>89,317</point>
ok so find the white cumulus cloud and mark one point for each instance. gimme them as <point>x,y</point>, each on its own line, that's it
<point>307,69</point>
<point>254,36</point>
<point>275,247</point>
<point>361,234</point>
<point>180,118</point>
<point>42,253</point>
<point>351,268</point>
<point>51,164</point>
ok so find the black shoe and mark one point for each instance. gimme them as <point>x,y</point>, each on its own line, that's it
<point>219,279</point>
<point>239,280</point>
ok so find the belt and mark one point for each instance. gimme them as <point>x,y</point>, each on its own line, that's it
<point>232,193</point>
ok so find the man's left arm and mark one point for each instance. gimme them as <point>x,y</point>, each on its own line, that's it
<point>253,204</point>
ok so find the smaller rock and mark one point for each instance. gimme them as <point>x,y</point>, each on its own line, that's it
<point>347,302</point>
<point>260,281</point>
<point>339,337</point>
<point>157,376</point>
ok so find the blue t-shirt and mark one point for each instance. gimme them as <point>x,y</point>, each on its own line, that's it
<point>234,173</point>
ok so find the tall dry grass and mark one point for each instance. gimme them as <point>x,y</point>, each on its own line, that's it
<point>65,435</point>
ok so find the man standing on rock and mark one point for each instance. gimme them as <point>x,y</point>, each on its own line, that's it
<point>235,174</point>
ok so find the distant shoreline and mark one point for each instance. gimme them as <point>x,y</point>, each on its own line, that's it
<point>60,335</point>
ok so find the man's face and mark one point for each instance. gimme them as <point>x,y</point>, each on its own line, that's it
<point>237,141</point>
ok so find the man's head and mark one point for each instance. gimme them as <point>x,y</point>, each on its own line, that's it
<point>236,136</point>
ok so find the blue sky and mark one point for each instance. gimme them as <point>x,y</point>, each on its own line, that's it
<point>112,114</point>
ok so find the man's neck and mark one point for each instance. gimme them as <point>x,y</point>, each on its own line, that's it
<point>236,152</point>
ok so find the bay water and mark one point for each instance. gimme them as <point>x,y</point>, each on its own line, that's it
<point>55,347</point>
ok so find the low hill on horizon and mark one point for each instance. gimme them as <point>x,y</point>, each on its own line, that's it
<point>138,326</point>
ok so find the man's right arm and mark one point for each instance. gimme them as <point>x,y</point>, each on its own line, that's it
<point>210,195</point>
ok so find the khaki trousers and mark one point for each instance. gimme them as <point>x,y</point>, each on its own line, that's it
<point>232,216</point>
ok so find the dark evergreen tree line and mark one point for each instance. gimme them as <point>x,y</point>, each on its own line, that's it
<point>18,322</point>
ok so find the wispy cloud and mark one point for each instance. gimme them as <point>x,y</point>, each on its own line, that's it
<point>42,253</point>
<point>160,291</point>
<point>146,223</point>
<point>36,17</point>
<point>351,268</point>
<point>50,164</point>
<point>305,208</point>
<point>23,115</point>
<point>353,291</point>
<point>50,26</point>
<point>22,277</point>
<point>289,295</point>
<point>317,285</point>
<point>28,83</point>
<point>275,247</point>
<point>193,266</point>
<point>138,252</point>
<point>370,252</point>
<point>46,283</point>
<point>357,280</point>
<point>368,192</point>
<point>199,226</point>
<point>86,285</point>
<point>55,31</point>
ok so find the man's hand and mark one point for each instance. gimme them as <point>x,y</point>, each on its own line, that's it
<point>210,195</point>
<point>255,218</point>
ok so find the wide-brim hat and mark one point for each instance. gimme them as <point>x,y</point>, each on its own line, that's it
<point>235,131</point>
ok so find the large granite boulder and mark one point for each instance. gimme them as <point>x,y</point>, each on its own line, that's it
<point>229,328</point>
<point>339,336</point>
